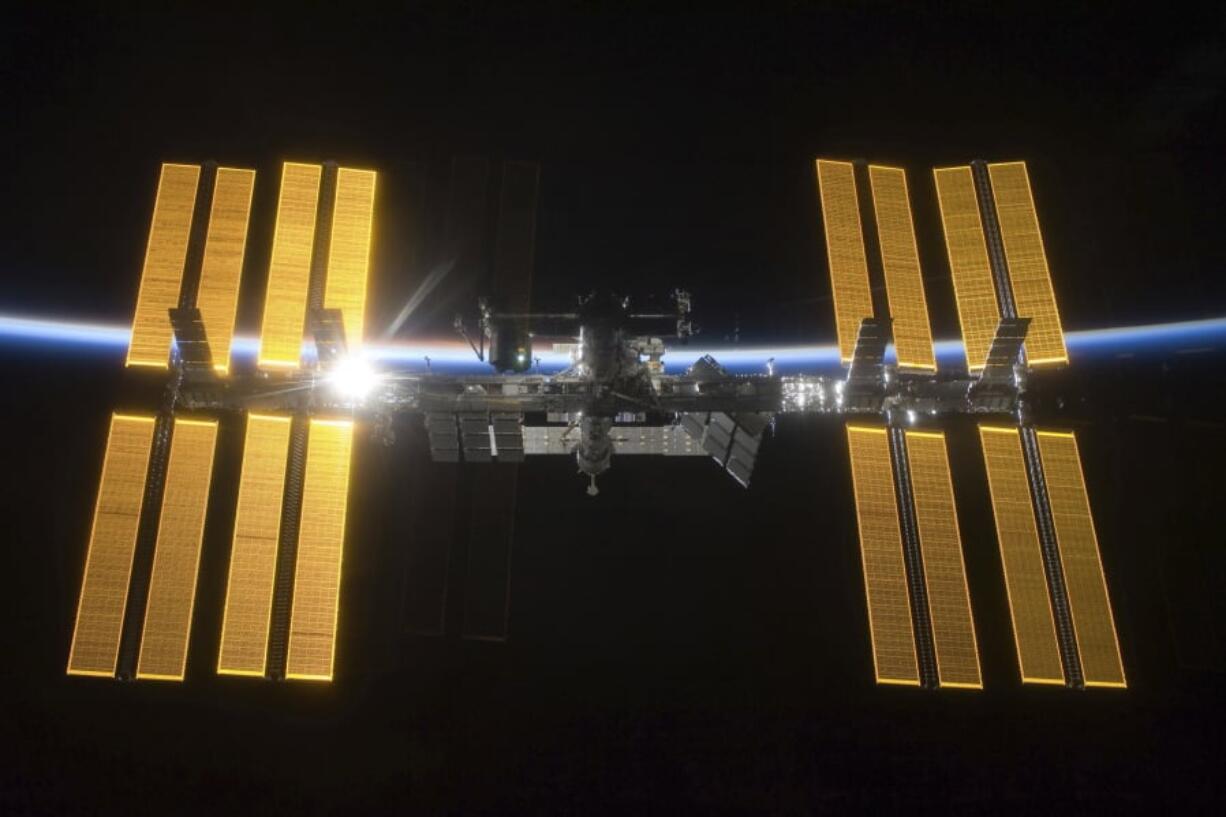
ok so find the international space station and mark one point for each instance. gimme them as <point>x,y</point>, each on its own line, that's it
<point>310,387</point>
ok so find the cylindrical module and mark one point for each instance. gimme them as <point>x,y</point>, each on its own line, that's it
<point>595,449</point>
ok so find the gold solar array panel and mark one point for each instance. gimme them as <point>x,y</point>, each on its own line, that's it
<point>317,575</point>
<point>1029,276</point>
<point>1084,580</point>
<point>112,541</point>
<point>900,262</point>
<point>289,269</point>
<point>885,576</point>
<point>949,601</point>
<point>253,555</point>
<point>349,250</point>
<point>165,256</point>
<point>1034,628</point>
<point>176,558</point>
<point>853,299</point>
<point>978,311</point>
<point>222,266</point>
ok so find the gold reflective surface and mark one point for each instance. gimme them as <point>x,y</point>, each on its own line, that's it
<point>885,575</point>
<point>289,269</point>
<point>321,539</point>
<point>222,267</point>
<point>853,300</point>
<point>969,266</point>
<point>176,559</point>
<point>112,541</point>
<point>1079,558</point>
<point>349,250</point>
<point>253,555</point>
<point>1034,628</point>
<point>162,274</point>
<point>1029,276</point>
<point>900,262</point>
<point>949,601</point>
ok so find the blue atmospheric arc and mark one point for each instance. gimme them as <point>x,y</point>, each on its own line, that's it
<point>1094,344</point>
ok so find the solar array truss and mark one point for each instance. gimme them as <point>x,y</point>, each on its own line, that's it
<point>918,602</point>
<point>282,599</point>
<point>283,588</point>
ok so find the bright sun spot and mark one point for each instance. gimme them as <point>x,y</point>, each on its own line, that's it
<point>353,377</point>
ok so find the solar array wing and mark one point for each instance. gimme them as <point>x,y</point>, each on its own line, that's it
<point>165,257</point>
<point>431,554</point>
<point>428,531</point>
<point>253,555</point>
<point>901,266</point>
<point>289,269</point>
<point>1029,277</point>
<point>321,537</point>
<point>466,222</point>
<point>1086,584</point>
<point>487,579</point>
<point>845,252</point>
<point>112,542</point>
<point>176,560</point>
<point>969,265</point>
<point>491,537</point>
<point>349,250</point>
<point>949,603</point>
<point>222,266</point>
<point>282,602</point>
<point>1034,629</point>
<point>515,247</point>
<point>885,575</point>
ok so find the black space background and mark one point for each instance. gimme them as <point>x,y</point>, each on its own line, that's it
<point>677,645</point>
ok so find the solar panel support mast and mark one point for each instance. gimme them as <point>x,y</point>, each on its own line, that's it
<point>159,455</point>
<point>1066,636</point>
<point>295,467</point>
